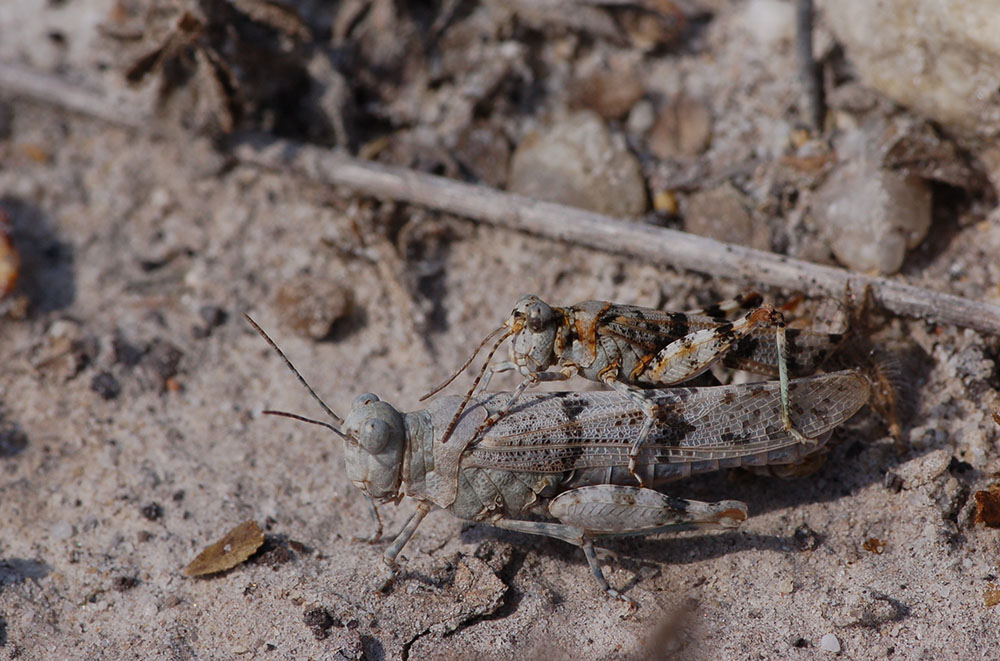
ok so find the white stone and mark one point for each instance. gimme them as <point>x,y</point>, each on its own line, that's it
<point>769,22</point>
<point>578,162</point>
<point>869,215</point>
<point>829,643</point>
<point>938,58</point>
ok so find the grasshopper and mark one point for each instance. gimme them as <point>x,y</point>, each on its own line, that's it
<point>557,464</point>
<point>627,346</point>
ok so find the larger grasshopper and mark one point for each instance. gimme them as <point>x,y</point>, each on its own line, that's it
<point>627,346</point>
<point>557,464</point>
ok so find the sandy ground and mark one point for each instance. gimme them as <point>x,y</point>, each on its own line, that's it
<point>131,436</point>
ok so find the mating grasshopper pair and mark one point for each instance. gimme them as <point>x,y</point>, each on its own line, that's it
<point>563,464</point>
<point>626,346</point>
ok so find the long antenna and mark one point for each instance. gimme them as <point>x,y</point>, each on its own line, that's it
<point>465,365</point>
<point>298,376</point>
<point>302,418</point>
<point>475,384</point>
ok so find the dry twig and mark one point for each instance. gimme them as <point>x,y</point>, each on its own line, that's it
<point>49,90</point>
<point>655,244</point>
<point>663,246</point>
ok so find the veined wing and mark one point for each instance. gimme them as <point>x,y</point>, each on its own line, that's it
<point>557,432</point>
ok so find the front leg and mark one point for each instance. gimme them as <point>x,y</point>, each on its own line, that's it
<point>376,519</point>
<point>389,555</point>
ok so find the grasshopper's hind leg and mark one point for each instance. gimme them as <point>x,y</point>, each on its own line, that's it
<point>575,536</point>
<point>605,510</point>
<point>686,358</point>
<point>781,342</point>
<point>610,510</point>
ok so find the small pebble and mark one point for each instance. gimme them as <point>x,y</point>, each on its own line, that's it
<point>829,643</point>
<point>125,352</point>
<point>163,359</point>
<point>577,161</point>
<point>212,317</point>
<point>683,128</point>
<point>313,305</point>
<point>319,620</point>
<point>106,385</point>
<point>870,216</point>
<point>318,617</point>
<point>12,439</point>
<point>806,539</point>
<point>721,213</point>
<point>611,92</point>
<point>152,511</point>
<point>124,583</point>
<point>769,22</point>
<point>641,118</point>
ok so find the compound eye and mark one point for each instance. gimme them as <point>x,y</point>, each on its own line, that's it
<point>374,435</point>
<point>536,319</point>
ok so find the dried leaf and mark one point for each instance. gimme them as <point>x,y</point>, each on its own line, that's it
<point>988,506</point>
<point>238,544</point>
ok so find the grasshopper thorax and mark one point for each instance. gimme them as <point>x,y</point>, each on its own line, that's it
<point>535,325</point>
<point>373,452</point>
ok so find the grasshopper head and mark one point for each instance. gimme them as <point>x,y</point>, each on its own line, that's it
<point>535,324</point>
<point>375,437</point>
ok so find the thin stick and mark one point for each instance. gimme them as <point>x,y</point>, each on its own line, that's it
<point>658,245</point>
<point>810,73</point>
<point>655,244</point>
<point>53,91</point>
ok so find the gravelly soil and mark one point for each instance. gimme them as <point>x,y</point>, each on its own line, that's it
<point>131,433</point>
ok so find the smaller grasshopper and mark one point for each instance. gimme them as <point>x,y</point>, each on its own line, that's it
<point>627,346</point>
<point>556,463</point>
